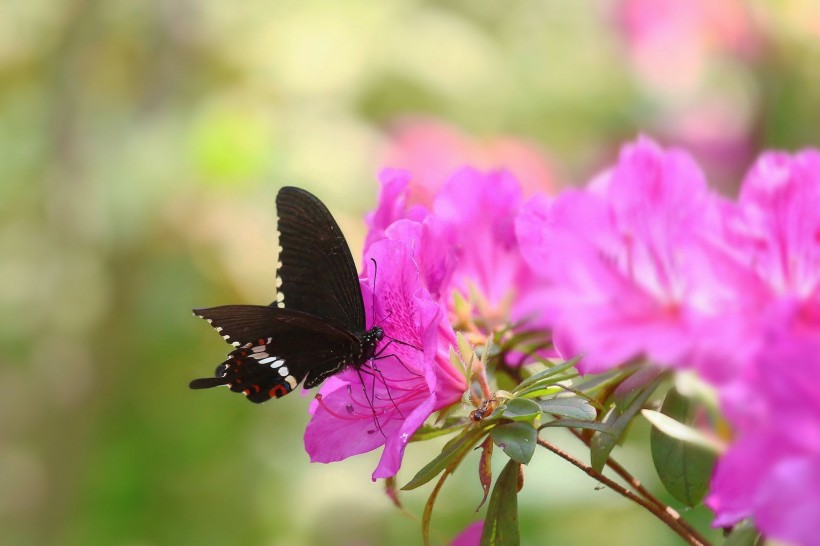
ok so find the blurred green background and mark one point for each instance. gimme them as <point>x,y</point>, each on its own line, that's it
<point>142,144</point>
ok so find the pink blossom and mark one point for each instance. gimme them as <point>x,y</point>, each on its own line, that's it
<point>671,41</point>
<point>397,201</point>
<point>432,151</point>
<point>465,241</point>
<point>480,210</point>
<point>772,471</point>
<point>770,262</point>
<point>632,268</point>
<point>775,227</point>
<point>402,389</point>
<point>470,536</point>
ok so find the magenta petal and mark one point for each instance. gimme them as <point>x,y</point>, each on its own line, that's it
<point>397,440</point>
<point>471,535</point>
<point>403,385</point>
<point>630,261</point>
<point>788,501</point>
<point>331,437</point>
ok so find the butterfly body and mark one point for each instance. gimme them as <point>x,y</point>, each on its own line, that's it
<point>316,326</point>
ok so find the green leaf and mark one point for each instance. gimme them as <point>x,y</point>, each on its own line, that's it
<point>453,451</point>
<point>633,386</point>
<point>569,406</point>
<point>501,523</point>
<point>448,426</point>
<point>518,440</point>
<point>578,423</point>
<point>541,377</point>
<point>548,388</point>
<point>604,381</point>
<point>617,420</point>
<point>744,534</point>
<point>684,433</point>
<point>466,353</point>
<point>485,469</point>
<point>683,467</point>
<point>427,515</point>
<point>521,409</point>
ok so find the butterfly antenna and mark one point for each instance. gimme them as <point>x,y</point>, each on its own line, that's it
<point>373,295</point>
<point>400,342</point>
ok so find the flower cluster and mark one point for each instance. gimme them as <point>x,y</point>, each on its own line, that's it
<point>647,263</point>
<point>644,265</point>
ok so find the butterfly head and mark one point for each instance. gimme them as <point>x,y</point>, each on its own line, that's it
<point>371,339</point>
<point>374,335</point>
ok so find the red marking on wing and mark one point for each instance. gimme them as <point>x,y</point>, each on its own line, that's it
<point>278,391</point>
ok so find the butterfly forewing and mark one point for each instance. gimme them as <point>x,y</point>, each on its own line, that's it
<point>317,273</point>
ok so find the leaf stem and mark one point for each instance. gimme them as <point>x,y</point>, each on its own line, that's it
<point>638,486</point>
<point>659,510</point>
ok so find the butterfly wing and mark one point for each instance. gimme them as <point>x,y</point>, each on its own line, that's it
<point>317,274</point>
<point>276,349</point>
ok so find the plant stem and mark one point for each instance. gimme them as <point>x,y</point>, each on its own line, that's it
<point>659,510</point>
<point>638,486</point>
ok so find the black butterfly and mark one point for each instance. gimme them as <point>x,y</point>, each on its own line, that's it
<point>316,326</point>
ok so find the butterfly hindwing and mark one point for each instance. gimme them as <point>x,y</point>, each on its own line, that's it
<point>276,349</point>
<point>317,272</point>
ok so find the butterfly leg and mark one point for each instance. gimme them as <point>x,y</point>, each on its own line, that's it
<point>384,381</point>
<point>369,401</point>
<point>378,356</point>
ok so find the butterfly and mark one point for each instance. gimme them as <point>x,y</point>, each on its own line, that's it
<point>316,326</point>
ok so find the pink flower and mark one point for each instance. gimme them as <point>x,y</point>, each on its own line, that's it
<point>771,262</point>
<point>464,239</point>
<point>776,229</point>
<point>398,200</point>
<point>671,41</point>
<point>478,211</point>
<point>631,261</point>
<point>772,471</point>
<point>471,535</point>
<point>405,386</point>
<point>432,151</point>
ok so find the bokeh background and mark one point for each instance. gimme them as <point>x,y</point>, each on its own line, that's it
<point>142,144</point>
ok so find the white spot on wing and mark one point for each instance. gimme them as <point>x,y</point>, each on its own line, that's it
<point>283,371</point>
<point>274,361</point>
<point>259,349</point>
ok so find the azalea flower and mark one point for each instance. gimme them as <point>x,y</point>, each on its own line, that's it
<point>471,535</point>
<point>670,42</point>
<point>772,470</point>
<point>631,260</point>
<point>432,151</point>
<point>771,261</point>
<point>386,401</point>
<point>775,228</point>
<point>464,240</point>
